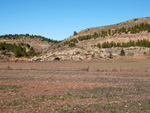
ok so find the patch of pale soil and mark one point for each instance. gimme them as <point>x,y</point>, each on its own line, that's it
<point>138,57</point>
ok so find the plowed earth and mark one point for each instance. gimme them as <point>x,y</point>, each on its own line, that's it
<point>75,87</point>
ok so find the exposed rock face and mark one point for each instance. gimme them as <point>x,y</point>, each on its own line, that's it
<point>78,54</point>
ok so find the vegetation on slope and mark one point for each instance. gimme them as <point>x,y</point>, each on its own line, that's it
<point>19,50</point>
<point>132,30</point>
<point>71,43</point>
<point>140,43</point>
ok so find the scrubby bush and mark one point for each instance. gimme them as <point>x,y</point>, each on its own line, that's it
<point>74,40</point>
<point>31,53</point>
<point>99,45</point>
<point>3,52</point>
<point>122,52</point>
<point>74,33</point>
<point>72,44</point>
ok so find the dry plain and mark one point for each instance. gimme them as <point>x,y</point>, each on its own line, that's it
<point>106,86</point>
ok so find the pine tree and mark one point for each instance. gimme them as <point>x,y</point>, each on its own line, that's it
<point>99,45</point>
<point>122,53</point>
<point>75,33</point>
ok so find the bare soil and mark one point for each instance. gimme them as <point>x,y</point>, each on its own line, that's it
<point>110,86</point>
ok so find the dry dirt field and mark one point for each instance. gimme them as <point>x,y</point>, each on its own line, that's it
<point>110,86</point>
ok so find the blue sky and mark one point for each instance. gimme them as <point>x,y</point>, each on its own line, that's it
<point>58,19</point>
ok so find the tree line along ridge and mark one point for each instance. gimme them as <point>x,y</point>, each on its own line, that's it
<point>17,36</point>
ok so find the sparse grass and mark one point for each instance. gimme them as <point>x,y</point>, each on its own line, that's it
<point>25,101</point>
<point>79,112</point>
<point>39,99</point>
<point>54,97</point>
<point>3,87</point>
<point>64,111</point>
<point>13,103</point>
<point>6,68</point>
<point>112,91</point>
<point>69,95</point>
<point>80,96</point>
<point>68,106</point>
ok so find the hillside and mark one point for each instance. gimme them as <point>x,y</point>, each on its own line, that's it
<point>38,43</point>
<point>23,45</point>
<point>131,37</point>
<point>127,29</point>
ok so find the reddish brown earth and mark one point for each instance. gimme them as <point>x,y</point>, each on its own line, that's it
<point>121,85</point>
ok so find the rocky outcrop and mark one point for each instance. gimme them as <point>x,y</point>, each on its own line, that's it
<point>90,53</point>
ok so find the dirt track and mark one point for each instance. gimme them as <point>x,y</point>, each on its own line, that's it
<point>82,87</point>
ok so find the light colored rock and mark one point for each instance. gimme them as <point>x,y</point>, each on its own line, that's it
<point>78,54</point>
<point>96,55</point>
